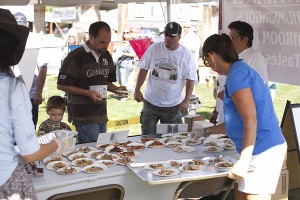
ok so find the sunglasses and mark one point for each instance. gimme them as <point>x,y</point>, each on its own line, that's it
<point>168,35</point>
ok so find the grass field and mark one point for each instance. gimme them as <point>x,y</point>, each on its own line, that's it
<point>118,110</point>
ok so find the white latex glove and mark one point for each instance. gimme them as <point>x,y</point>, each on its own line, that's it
<point>196,134</point>
<point>240,168</point>
<point>60,149</point>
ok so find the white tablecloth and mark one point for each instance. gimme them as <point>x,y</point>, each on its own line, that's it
<point>52,183</point>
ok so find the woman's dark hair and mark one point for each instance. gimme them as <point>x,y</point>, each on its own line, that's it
<point>221,45</point>
<point>97,26</point>
<point>9,45</point>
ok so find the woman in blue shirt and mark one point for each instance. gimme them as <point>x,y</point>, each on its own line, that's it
<point>250,121</point>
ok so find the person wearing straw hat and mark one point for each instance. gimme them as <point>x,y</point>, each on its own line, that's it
<point>16,126</point>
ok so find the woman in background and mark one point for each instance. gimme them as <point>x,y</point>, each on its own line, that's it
<point>250,121</point>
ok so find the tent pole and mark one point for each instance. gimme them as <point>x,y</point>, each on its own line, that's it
<point>168,10</point>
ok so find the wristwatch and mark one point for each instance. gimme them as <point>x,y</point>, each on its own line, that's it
<point>206,132</point>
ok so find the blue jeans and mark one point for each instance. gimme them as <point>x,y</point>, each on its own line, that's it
<point>89,133</point>
<point>151,114</point>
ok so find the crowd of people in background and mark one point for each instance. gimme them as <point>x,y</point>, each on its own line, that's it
<point>89,70</point>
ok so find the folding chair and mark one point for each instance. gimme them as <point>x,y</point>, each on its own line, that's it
<point>203,188</point>
<point>106,192</point>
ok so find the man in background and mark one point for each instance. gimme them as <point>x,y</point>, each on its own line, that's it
<point>40,71</point>
<point>172,66</point>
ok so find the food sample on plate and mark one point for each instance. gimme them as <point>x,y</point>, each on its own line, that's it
<point>123,160</point>
<point>82,162</point>
<point>94,169</point>
<point>184,134</point>
<point>77,156</point>
<point>165,140</point>
<point>107,163</point>
<point>174,163</point>
<point>135,146</point>
<point>114,149</point>
<point>68,170</point>
<point>68,153</point>
<point>107,156</point>
<point>127,154</point>
<point>190,168</point>
<point>86,149</point>
<point>179,138</point>
<point>166,172</point>
<point>192,142</point>
<point>94,154</point>
<point>182,149</point>
<point>173,144</point>
<point>154,143</point>
<point>154,166</point>
<point>51,159</point>
<point>224,166</point>
<point>218,159</point>
<point>197,162</point>
<point>228,146</point>
<point>144,140</point>
<point>213,149</point>
<point>102,146</point>
<point>124,144</point>
<point>55,165</point>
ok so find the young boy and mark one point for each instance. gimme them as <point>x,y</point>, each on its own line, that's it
<point>55,109</point>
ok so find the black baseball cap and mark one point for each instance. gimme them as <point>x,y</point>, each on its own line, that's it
<point>173,29</point>
<point>21,18</point>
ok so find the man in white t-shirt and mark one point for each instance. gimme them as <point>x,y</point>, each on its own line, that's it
<point>172,67</point>
<point>241,34</point>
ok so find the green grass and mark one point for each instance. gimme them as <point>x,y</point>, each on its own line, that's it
<point>130,108</point>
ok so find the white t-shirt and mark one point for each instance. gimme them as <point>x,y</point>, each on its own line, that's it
<point>257,61</point>
<point>168,71</point>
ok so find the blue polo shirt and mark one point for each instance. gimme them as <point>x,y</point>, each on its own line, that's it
<point>268,134</point>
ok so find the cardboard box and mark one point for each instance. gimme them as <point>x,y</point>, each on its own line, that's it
<point>190,119</point>
<point>282,190</point>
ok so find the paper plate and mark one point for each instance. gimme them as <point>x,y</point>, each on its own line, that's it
<point>184,149</point>
<point>122,91</point>
<point>94,154</point>
<point>77,156</point>
<point>68,153</point>
<point>166,172</point>
<point>69,170</point>
<point>166,140</point>
<point>198,162</point>
<point>212,142</point>
<point>192,142</point>
<point>129,154</point>
<point>82,162</point>
<point>107,156</point>
<point>94,169</point>
<point>52,159</point>
<point>223,166</point>
<point>173,144</point>
<point>154,144</point>
<point>107,163</point>
<point>186,168</point>
<point>213,149</point>
<point>155,166</point>
<point>175,163</point>
<point>124,160</point>
<point>167,135</point>
<point>86,149</point>
<point>57,165</point>
<point>114,149</point>
<point>135,146</point>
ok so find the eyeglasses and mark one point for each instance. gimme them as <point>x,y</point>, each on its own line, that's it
<point>234,36</point>
<point>169,35</point>
<point>186,27</point>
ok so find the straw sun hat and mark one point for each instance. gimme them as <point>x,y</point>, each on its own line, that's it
<point>8,24</point>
